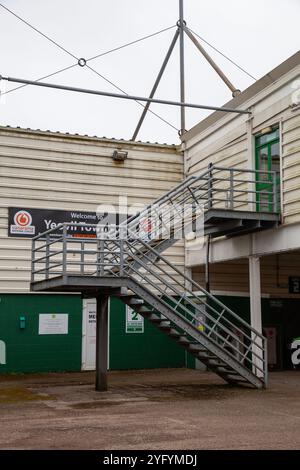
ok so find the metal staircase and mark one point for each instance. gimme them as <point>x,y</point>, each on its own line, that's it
<point>160,292</point>
<point>127,261</point>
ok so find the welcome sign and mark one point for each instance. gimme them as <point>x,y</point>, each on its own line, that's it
<point>27,223</point>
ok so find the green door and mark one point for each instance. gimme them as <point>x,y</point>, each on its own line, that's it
<point>267,159</point>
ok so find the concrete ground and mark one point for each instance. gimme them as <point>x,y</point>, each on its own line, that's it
<point>157,409</point>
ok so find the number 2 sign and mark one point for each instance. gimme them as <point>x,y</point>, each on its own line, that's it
<point>134,321</point>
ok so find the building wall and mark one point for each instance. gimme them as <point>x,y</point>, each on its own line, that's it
<point>56,171</point>
<point>291,166</point>
<point>29,351</point>
<point>26,349</point>
<point>280,322</point>
<point>151,349</point>
<point>229,142</point>
<point>233,276</point>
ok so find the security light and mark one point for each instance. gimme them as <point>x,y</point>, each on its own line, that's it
<point>266,130</point>
<point>120,155</point>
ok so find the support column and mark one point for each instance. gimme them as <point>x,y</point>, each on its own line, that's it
<point>155,86</point>
<point>182,78</point>
<point>101,342</point>
<point>255,311</point>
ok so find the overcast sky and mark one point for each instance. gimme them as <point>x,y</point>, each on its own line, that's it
<point>257,34</point>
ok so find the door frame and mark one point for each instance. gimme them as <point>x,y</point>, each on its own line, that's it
<point>261,185</point>
<point>84,351</point>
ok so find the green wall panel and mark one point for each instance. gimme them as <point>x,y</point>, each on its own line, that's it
<point>26,350</point>
<point>148,350</point>
<point>283,314</point>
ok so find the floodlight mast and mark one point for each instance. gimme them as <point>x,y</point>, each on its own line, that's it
<point>182,29</point>
<point>181,24</point>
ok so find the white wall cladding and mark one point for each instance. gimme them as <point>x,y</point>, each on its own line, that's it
<point>229,140</point>
<point>57,171</point>
<point>225,149</point>
<point>233,276</point>
<point>291,166</point>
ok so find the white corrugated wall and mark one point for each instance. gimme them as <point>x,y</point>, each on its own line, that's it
<point>57,171</point>
<point>230,141</point>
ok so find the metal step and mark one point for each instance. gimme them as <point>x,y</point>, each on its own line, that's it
<point>174,334</point>
<point>135,301</point>
<point>164,326</point>
<point>155,319</point>
<point>143,310</point>
<point>197,348</point>
<point>183,340</point>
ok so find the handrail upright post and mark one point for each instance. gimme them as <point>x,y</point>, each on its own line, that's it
<point>64,258</point>
<point>32,260</point>
<point>210,187</point>
<point>274,192</point>
<point>231,170</point>
<point>265,355</point>
<point>101,247</point>
<point>121,257</point>
<point>82,258</point>
<point>47,261</point>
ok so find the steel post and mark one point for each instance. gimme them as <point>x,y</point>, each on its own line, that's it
<point>210,187</point>
<point>64,247</point>
<point>221,74</point>
<point>255,314</point>
<point>32,260</point>
<point>274,175</point>
<point>157,81</point>
<point>47,256</point>
<point>101,343</point>
<point>182,77</point>
<point>231,170</point>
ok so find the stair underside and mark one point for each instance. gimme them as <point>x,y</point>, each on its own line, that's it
<point>230,223</point>
<point>208,358</point>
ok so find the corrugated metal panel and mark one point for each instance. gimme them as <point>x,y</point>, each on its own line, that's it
<point>234,276</point>
<point>226,152</point>
<point>291,167</point>
<point>227,143</point>
<point>44,170</point>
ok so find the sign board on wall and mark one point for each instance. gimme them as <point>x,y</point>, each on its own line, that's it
<point>294,285</point>
<point>53,323</point>
<point>134,321</point>
<point>26,222</point>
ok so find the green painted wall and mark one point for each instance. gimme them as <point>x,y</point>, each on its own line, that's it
<point>151,349</point>
<point>26,350</point>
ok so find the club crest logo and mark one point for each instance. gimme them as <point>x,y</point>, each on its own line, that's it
<point>22,224</point>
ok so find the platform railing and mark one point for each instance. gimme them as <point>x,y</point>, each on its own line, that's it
<point>235,189</point>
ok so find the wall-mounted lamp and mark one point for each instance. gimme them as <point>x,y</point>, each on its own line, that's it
<point>120,155</point>
<point>266,130</point>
